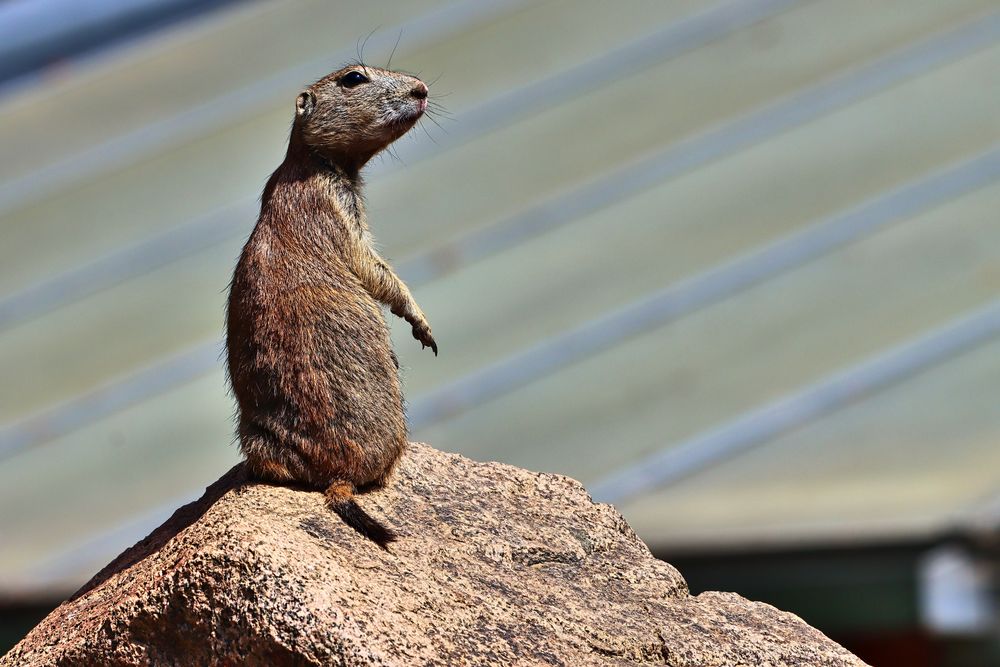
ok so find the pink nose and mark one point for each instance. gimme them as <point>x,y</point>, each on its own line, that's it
<point>419,91</point>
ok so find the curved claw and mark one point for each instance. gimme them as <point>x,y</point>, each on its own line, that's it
<point>423,334</point>
<point>431,344</point>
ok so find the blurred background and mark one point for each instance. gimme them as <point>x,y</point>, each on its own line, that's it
<point>734,264</point>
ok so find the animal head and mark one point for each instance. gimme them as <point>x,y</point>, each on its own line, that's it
<point>355,112</point>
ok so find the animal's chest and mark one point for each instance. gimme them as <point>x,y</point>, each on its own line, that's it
<point>360,240</point>
<point>348,204</point>
<point>350,209</point>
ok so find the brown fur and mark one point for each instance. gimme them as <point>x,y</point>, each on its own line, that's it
<point>310,359</point>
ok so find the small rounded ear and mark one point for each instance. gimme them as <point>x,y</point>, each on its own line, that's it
<point>305,103</point>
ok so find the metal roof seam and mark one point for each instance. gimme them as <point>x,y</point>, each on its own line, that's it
<point>829,394</point>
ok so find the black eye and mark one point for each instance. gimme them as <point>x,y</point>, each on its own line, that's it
<point>352,79</point>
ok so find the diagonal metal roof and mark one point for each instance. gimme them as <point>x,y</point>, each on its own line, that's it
<point>732,263</point>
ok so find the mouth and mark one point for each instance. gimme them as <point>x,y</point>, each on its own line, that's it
<point>407,117</point>
<point>414,113</point>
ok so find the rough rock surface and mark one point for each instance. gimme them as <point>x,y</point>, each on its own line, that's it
<point>495,566</point>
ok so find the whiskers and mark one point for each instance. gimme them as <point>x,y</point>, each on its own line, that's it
<point>391,152</point>
<point>388,64</point>
<point>435,113</point>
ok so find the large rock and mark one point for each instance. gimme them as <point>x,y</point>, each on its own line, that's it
<point>495,565</point>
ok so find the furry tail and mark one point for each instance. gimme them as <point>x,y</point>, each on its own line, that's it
<point>340,498</point>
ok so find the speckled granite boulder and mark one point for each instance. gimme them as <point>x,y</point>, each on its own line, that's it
<point>495,566</point>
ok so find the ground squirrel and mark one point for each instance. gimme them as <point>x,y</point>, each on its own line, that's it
<point>310,358</point>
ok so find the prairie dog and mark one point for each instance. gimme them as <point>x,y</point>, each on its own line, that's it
<point>310,358</point>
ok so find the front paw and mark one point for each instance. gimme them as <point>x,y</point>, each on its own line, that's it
<point>422,332</point>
